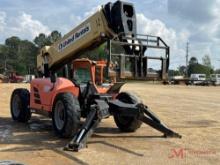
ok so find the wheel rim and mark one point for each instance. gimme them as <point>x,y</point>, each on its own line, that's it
<point>59,115</point>
<point>16,105</point>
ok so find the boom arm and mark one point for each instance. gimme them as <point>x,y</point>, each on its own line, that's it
<point>108,22</point>
<point>116,24</point>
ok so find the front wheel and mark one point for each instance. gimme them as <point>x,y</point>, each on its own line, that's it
<point>20,105</point>
<point>66,115</point>
<point>127,123</point>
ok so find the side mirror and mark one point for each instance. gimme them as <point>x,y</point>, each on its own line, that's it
<point>53,78</point>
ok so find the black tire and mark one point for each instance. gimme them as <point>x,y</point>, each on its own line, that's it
<point>127,123</point>
<point>71,115</point>
<point>20,101</point>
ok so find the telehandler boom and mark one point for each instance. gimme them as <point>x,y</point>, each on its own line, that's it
<point>88,88</point>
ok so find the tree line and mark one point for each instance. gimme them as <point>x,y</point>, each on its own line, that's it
<point>194,67</point>
<point>17,55</point>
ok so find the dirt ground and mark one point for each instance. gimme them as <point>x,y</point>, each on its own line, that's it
<point>192,111</point>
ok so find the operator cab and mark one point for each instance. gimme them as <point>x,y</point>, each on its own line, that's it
<point>86,71</point>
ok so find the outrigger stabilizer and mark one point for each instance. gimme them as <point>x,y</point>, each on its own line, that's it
<point>102,109</point>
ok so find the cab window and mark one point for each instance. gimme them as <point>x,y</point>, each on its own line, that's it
<point>82,75</point>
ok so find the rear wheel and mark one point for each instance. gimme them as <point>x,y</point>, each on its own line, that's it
<point>20,105</point>
<point>127,123</point>
<point>66,115</point>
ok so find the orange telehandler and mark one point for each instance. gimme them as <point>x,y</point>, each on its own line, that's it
<point>89,88</point>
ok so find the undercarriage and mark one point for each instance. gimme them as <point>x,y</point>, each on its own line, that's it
<point>125,107</point>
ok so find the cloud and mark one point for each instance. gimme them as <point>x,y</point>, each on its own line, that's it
<point>175,40</point>
<point>76,19</point>
<point>200,16</point>
<point>198,11</point>
<point>2,21</point>
<point>28,26</point>
<point>155,27</point>
<point>92,11</point>
<point>202,19</point>
<point>23,26</point>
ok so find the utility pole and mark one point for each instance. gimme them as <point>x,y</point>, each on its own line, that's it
<point>187,57</point>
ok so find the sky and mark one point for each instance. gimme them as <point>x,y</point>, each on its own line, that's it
<point>175,21</point>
